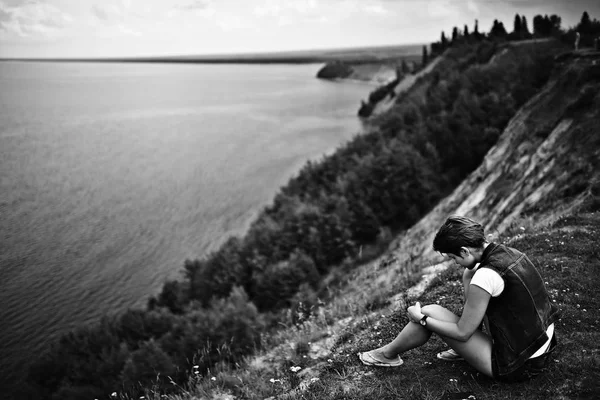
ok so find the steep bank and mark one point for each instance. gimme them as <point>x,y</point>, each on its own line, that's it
<point>544,167</point>
<point>405,84</point>
<point>546,158</point>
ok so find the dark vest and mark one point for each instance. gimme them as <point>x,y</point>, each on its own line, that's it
<point>519,317</point>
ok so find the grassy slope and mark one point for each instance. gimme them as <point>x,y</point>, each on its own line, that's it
<point>363,317</point>
<point>568,257</point>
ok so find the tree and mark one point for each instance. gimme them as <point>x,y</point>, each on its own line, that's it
<point>137,326</point>
<point>517,29</point>
<point>172,296</point>
<point>466,31</point>
<point>555,22</point>
<point>147,365</point>
<point>585,25</point>
<point>498,30</point>
<point>547,25</point>
<point>425,58</point>
<point>538,25</point>
<point>476,30</point>
<point>454,35</point>
<point>585,19</point>
<point>444,41</point>
<point>405,68</point>
<point>280,282</point>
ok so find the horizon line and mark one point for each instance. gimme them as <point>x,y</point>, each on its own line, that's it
<point>306,56</point>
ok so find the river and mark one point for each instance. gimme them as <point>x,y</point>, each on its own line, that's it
<point>111,175</point>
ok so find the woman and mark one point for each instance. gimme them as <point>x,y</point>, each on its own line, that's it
<point>506,288</point>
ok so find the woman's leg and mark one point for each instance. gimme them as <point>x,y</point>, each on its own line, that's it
<point>477,351</point>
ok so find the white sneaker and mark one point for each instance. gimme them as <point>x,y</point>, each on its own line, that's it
<point>449,355</point>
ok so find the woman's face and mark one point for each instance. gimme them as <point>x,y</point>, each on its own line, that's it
<point>466,258</point>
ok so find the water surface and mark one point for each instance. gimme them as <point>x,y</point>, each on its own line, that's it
<point>111,175</point>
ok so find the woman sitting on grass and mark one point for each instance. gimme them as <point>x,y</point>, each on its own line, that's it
<point>506,288</point>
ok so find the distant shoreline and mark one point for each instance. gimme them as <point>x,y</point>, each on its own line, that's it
<point>356,55</point>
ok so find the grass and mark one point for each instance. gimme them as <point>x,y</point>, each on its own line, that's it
<point>317,359</point>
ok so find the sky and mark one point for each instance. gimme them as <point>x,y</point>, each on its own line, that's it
<point>129,28</point>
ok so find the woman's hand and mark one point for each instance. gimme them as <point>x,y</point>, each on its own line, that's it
<point>414,312</point>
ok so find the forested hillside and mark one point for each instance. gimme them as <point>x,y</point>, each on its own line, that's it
<point>334,215</point>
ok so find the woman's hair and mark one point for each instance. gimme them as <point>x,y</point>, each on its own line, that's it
<point>457,232</point>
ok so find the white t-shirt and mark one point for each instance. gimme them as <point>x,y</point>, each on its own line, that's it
<point>491,281</point>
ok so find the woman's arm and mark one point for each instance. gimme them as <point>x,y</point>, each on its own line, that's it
<point>473,313</point>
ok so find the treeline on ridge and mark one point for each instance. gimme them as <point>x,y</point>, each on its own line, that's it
<point>543,27</point>
<point>336,212</point>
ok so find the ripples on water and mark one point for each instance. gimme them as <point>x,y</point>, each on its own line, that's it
<point>111,175</point>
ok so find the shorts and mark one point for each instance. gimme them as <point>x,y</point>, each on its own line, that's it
<point>532,367</point>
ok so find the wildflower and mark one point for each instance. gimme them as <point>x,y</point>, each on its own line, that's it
<point>213,379</point>
<point>195,367</point>
<point>314,379</point>
<point>295,369</point>
<point>196,372</point>
<point>274,380</point>
<point>113,394</point>
<point>329,360</point>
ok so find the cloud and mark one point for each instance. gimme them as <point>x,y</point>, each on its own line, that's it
<point>195,5</point>
<point>472,6</point>
<point>441,9</point>
<point>195,8</point>
<point>287,9</point>
<point>5,16</point>
<point>103,12</point>
<point>128,31</point>
<point>376,9</point>
<point>117,19</point>
<point>31,17</point>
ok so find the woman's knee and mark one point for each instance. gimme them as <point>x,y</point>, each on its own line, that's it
<point>438,312</point>
<point>434,309</point>
<point>431,309</point>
